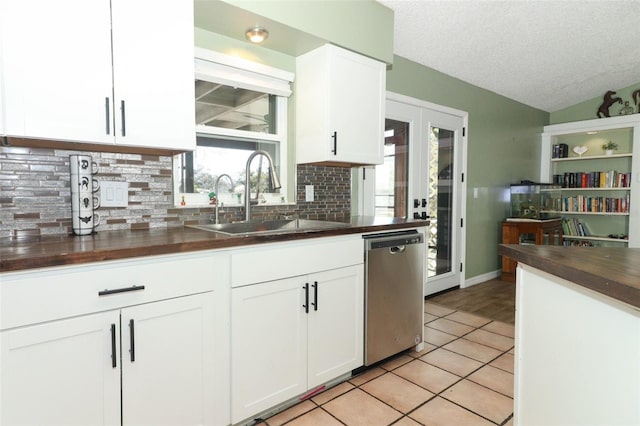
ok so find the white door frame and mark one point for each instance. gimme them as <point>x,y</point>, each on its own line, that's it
<point>417,115</point>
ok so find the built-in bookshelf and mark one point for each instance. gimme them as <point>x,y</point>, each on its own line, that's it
<point>597,195</point>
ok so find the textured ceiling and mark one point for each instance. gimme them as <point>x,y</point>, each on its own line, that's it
<point>544,53</point>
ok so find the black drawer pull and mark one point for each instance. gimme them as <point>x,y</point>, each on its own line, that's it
<point>335,143</point>
<point>114,362</point>
<point>124,126</point>
<point>106,292</point>
<point>106,112</point>
<point>315,295</point>
<point>132,340</point>
<point>306,298</point>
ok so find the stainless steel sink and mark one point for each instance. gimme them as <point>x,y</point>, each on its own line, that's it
<point>284,226</point>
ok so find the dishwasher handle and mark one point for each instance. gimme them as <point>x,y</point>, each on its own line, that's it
<point>397,249</point>
<point>394,242</point>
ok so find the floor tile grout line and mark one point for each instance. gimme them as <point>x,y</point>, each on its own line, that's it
<point>466,377</point>
<point>482,366</point>
<point>439,394</point>
<point>461,337</point>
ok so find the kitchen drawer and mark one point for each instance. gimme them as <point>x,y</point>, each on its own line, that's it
<point>276,261</point>
<point>60,292</point>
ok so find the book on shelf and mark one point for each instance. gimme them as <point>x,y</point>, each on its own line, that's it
<point>591,204</point>
<point>595,179</point>
<point>574,227</point>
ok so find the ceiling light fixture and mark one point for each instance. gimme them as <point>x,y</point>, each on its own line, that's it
<point>256,34</point>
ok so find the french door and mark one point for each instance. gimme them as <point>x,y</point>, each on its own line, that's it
<point>425,150</point>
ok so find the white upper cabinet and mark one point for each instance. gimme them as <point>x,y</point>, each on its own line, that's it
<point>99,71</point>
<point>339,107</point>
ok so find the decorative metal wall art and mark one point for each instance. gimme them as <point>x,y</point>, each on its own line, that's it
<point>628,108</point>
<point>603,110</point>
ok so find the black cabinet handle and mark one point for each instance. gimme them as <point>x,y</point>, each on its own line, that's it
<point>132,340</point>
<point>124,127</point>
<point>416,203</point>
<point>106,292</point>
<point>306,298</point>
<point>107,114</point>
<point>424,202</point>
<point>114,362</point>
<point>335,143</point>
<point>315,295</point>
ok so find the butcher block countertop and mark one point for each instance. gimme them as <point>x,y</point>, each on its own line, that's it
<point>614,272</point>
<point>40,252</point>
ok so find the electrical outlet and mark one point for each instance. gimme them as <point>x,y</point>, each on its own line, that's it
<point>308,193</point>
<point>114,194</point>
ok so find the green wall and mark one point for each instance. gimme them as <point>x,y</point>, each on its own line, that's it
<point>503,148</point>
<point>587,110</point>
<point>503,142</point>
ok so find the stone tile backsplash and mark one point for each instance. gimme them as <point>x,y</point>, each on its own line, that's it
<point>35,193</point>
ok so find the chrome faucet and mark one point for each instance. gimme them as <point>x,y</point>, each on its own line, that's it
<point>218,194</point>
<point>275,182</point>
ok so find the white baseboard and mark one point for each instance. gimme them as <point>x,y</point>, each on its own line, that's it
<point>481,278</point>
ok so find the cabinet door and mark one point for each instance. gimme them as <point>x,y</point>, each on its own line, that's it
<point>153,73</point>
<point>57,69</point>
<point>268,346</point>
<point>356,111</point>
<point>167,352</point>
<point>61,372</point>
<point>339,107</point>
<point>336,323</point>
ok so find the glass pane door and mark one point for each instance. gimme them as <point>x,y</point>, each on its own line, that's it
<point>391,176</point>
<point>441,192</point>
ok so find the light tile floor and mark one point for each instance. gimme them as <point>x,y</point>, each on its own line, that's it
<point>463,377</point>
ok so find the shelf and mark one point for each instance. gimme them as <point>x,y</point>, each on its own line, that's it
<point>594,238</point>
<point>592,157</point>
<point>585,213</point>
<point>621,188</point>
<point>599,189</point>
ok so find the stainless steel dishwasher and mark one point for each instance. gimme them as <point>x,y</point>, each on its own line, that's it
<point>394,301</point>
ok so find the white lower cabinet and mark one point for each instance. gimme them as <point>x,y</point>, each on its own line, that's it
<point>147,353</point>
<point>292,335</point>
<point>167,360</point>
<point>61,373</point>
<point>68,372</point>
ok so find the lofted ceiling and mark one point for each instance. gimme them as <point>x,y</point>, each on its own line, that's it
<point>547,54</point>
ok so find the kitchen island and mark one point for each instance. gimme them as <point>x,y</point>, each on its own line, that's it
<point>577,335</point>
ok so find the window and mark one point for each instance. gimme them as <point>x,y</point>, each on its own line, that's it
<point>241,107</point>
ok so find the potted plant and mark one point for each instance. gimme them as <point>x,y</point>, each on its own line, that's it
<point>609,147</point>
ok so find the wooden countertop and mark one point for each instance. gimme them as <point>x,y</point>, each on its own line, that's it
<point>40,252</point>
<point>614,272</point>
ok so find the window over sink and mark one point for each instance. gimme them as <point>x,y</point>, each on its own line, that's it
<point>241,107</point>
